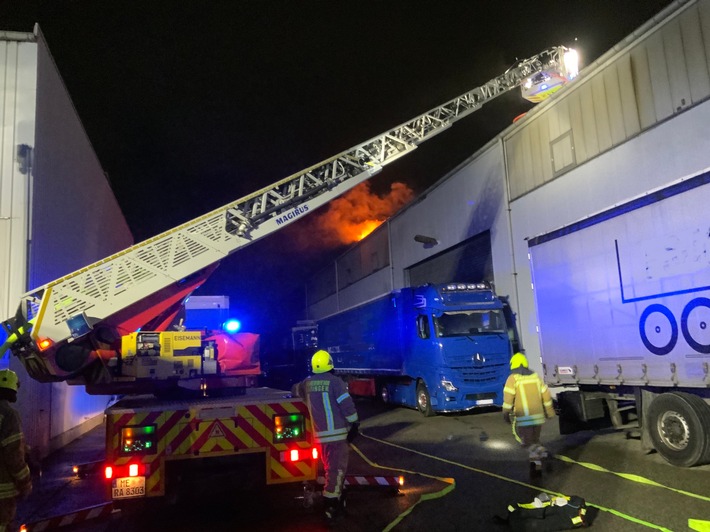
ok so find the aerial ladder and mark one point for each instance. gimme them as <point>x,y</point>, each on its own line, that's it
<point>71,329</point>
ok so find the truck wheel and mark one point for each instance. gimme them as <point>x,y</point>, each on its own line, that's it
<point>384,393</point>
<point>679,425</point>
<point>424,400</point>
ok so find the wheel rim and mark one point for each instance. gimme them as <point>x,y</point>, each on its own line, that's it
<point>423,403</point>
<point>673,430</point>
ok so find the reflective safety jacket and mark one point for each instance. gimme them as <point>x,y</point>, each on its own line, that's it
<point>527,396</point>
<point>15,475</point>
<point>330,404</point>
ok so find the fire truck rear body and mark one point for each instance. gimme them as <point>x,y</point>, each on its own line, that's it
<point>146,437</point>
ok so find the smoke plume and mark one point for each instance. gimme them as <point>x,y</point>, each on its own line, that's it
<point>352,216</point>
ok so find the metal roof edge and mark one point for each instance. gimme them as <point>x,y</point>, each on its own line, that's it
<point>18,36</point>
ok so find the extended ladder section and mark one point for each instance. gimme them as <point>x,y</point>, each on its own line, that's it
<point>70,307</point>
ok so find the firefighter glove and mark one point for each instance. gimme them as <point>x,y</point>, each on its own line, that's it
<point>506,416</point>
<point>353,432</point>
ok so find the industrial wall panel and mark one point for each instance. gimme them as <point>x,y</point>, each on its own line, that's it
<point>601,113</point>
<point>540,151</point>
<point>516,165</point>
<point>629,109</point>
<point>526,176</point>
<point>589,120</point>
<point>87,225</point>
<point>614,109</point>
<point>703,10</point>
<point>579,139</point>
<point>18,81</point>
<point>642,87</point>
<point>677,70</point>
<point>664,71</point>
<point>370,287</point>
<point>470,201</point>
<point>559,153</point>
<point>468,262</point>
<point>320,309</point>
<point>660,84</point>
<point>321,285</point>
<point>365,257</point>
<point>696,59</point>
<point>562,153</point>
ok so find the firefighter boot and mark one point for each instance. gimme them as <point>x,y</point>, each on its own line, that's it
<point>342,502</point>
<point>331,508</point>
<point>537,455</point>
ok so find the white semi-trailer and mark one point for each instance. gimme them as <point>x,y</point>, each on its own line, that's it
<point>623,305</point>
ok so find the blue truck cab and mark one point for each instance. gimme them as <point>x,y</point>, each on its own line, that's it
<point>437,347</point>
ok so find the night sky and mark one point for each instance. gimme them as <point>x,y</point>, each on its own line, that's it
<point>193,104</point>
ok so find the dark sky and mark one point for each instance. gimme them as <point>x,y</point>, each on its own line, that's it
<point>191,104</point>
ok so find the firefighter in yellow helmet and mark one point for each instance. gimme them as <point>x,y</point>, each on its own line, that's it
<point>15,478</point>
<point>335,423</point>
<point>527,403</point>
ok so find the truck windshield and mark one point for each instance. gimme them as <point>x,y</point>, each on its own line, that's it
<point>466,323</point>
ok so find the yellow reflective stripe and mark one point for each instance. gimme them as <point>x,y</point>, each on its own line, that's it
<point>12,438</point>
<point>629,476</point>
<point>451,483</point>
<point>700,526</point>
<point>512,481</point>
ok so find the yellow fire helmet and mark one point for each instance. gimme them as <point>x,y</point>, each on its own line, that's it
<point>321,362</point>
<point>517,360</point>
<point>9,380</point>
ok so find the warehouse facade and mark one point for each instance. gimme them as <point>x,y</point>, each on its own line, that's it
<point>57,214</point>
<point>635,120</point>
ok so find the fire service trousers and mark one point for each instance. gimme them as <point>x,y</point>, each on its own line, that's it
<point>335,464</point>
<point>8,507</point>
<point>528,435</point>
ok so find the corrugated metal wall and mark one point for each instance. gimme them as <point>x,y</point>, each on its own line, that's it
<point>18,81</point>
<point>75,220</point>
<point>664,73</point>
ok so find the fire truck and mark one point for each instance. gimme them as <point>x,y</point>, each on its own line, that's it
<point>191,396</point>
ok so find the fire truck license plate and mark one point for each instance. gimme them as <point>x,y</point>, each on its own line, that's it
<point>123,488</point>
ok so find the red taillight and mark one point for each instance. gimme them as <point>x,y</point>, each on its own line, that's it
<point>298,455</point>
<point>128,470</point>
<point>314,453</point>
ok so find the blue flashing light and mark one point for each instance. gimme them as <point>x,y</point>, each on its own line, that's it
<point>232,326</point>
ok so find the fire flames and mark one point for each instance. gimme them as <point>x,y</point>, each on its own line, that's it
<point>353,216</point>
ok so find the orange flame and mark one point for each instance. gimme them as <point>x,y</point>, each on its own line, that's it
<point>353,216</point>
<point>366,228</point>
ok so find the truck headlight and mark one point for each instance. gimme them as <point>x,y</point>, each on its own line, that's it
<point>449,386</point>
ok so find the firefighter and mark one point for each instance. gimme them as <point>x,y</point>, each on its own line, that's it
<point>335,422</point>
<point>526,405</point>
<point>15,478</point>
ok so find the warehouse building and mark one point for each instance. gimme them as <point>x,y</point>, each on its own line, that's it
<point>57,214</point>
<point>636,120</point>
